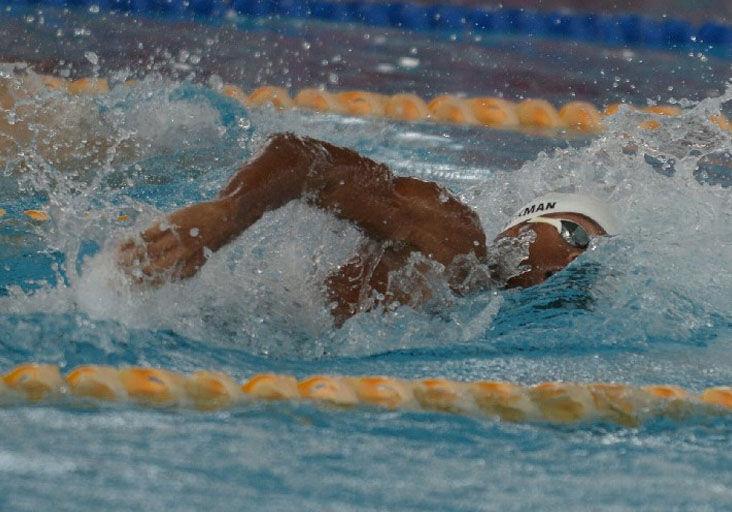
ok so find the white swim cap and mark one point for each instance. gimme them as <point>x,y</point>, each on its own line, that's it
<point>558,202</point>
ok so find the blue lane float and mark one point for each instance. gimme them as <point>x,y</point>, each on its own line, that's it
<point>623,30</point>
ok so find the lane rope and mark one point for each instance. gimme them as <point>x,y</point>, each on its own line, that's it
<point>610,30</point>
<point>533,116</point>
<point>548,402</point>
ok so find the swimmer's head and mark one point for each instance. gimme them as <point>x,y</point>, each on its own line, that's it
<point>562,225</point>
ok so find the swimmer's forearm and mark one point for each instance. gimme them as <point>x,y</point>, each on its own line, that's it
<point>289,167</point>
<point>415,212</point>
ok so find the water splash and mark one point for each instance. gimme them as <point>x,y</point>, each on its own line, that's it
<point>665,278</point>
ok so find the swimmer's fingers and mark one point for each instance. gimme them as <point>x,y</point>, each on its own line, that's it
<point>160,254</point>
<point>130,254</point>
<point>163,262</point>
<point>191,268</point>
<point>162,246</point>
<point>154,232</point>
<point>134,259</point>
<point>172,260</point>
<point>124,249</point>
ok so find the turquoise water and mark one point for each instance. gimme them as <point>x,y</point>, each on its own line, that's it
<point>653,305</point>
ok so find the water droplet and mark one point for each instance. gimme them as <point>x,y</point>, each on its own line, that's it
<point>408,62</point>
<point>215,82</point>
<point>91,57</point>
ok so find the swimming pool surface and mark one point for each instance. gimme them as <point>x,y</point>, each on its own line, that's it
<point>652,305</point>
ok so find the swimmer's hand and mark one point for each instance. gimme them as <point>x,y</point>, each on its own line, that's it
<point>178,246</point>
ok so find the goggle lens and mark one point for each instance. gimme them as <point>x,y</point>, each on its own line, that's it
<point>571,232</point>
<point>574,234</point>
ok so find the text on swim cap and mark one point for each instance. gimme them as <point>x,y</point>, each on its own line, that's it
<point>549,205</point>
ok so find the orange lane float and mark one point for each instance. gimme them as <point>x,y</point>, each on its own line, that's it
<point>581,116</point>
<point>97,382</point>
<point>270,386</point>
<point>667,392</point>
<point>406,107</point>
<point>613,108</point>
<point>493,112</point>
<point>561,402</point>
<point>661,110</point>
<point>54,83</point>
<point>439,395</point>
<point>35,381</point>
<point>315,99</point>
<point>361,103</point>
<point>324,388</point>
<point>531,115</point>
<point>618,403</point>
<point>211,390</point>
<point>37,215</point>
<point>551,402</point>
<point>152,386</point>
<point>721,397</point>
<point>538,114</point>
<point>88,86</point>
<point>234,92</point>
<point>450,109</point>
<point>382,391</point>
<point>721,122</point>
<point>506,401</point>
<point>270,95</point>
<point>669,401</point>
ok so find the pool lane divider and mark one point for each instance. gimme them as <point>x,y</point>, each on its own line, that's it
<point>612,30</point>
<point>533,116</point>
<point>548,402</point>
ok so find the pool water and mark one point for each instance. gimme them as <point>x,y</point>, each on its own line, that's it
<point>652,305</point>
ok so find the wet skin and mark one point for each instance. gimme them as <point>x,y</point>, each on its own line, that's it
<point>398,215</point>
<point>549,252</point>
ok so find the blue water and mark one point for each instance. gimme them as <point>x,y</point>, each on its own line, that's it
<point>652,305</point>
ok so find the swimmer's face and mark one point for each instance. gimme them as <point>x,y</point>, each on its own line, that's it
<point>549,252</point>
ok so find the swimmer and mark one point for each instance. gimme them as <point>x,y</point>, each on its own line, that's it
<point>400,216</point>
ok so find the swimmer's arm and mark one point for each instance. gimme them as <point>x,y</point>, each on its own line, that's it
<point>280,172</point>
<point>415,212</point>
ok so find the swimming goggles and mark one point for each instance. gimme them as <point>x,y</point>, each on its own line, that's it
<point>571,232</point>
